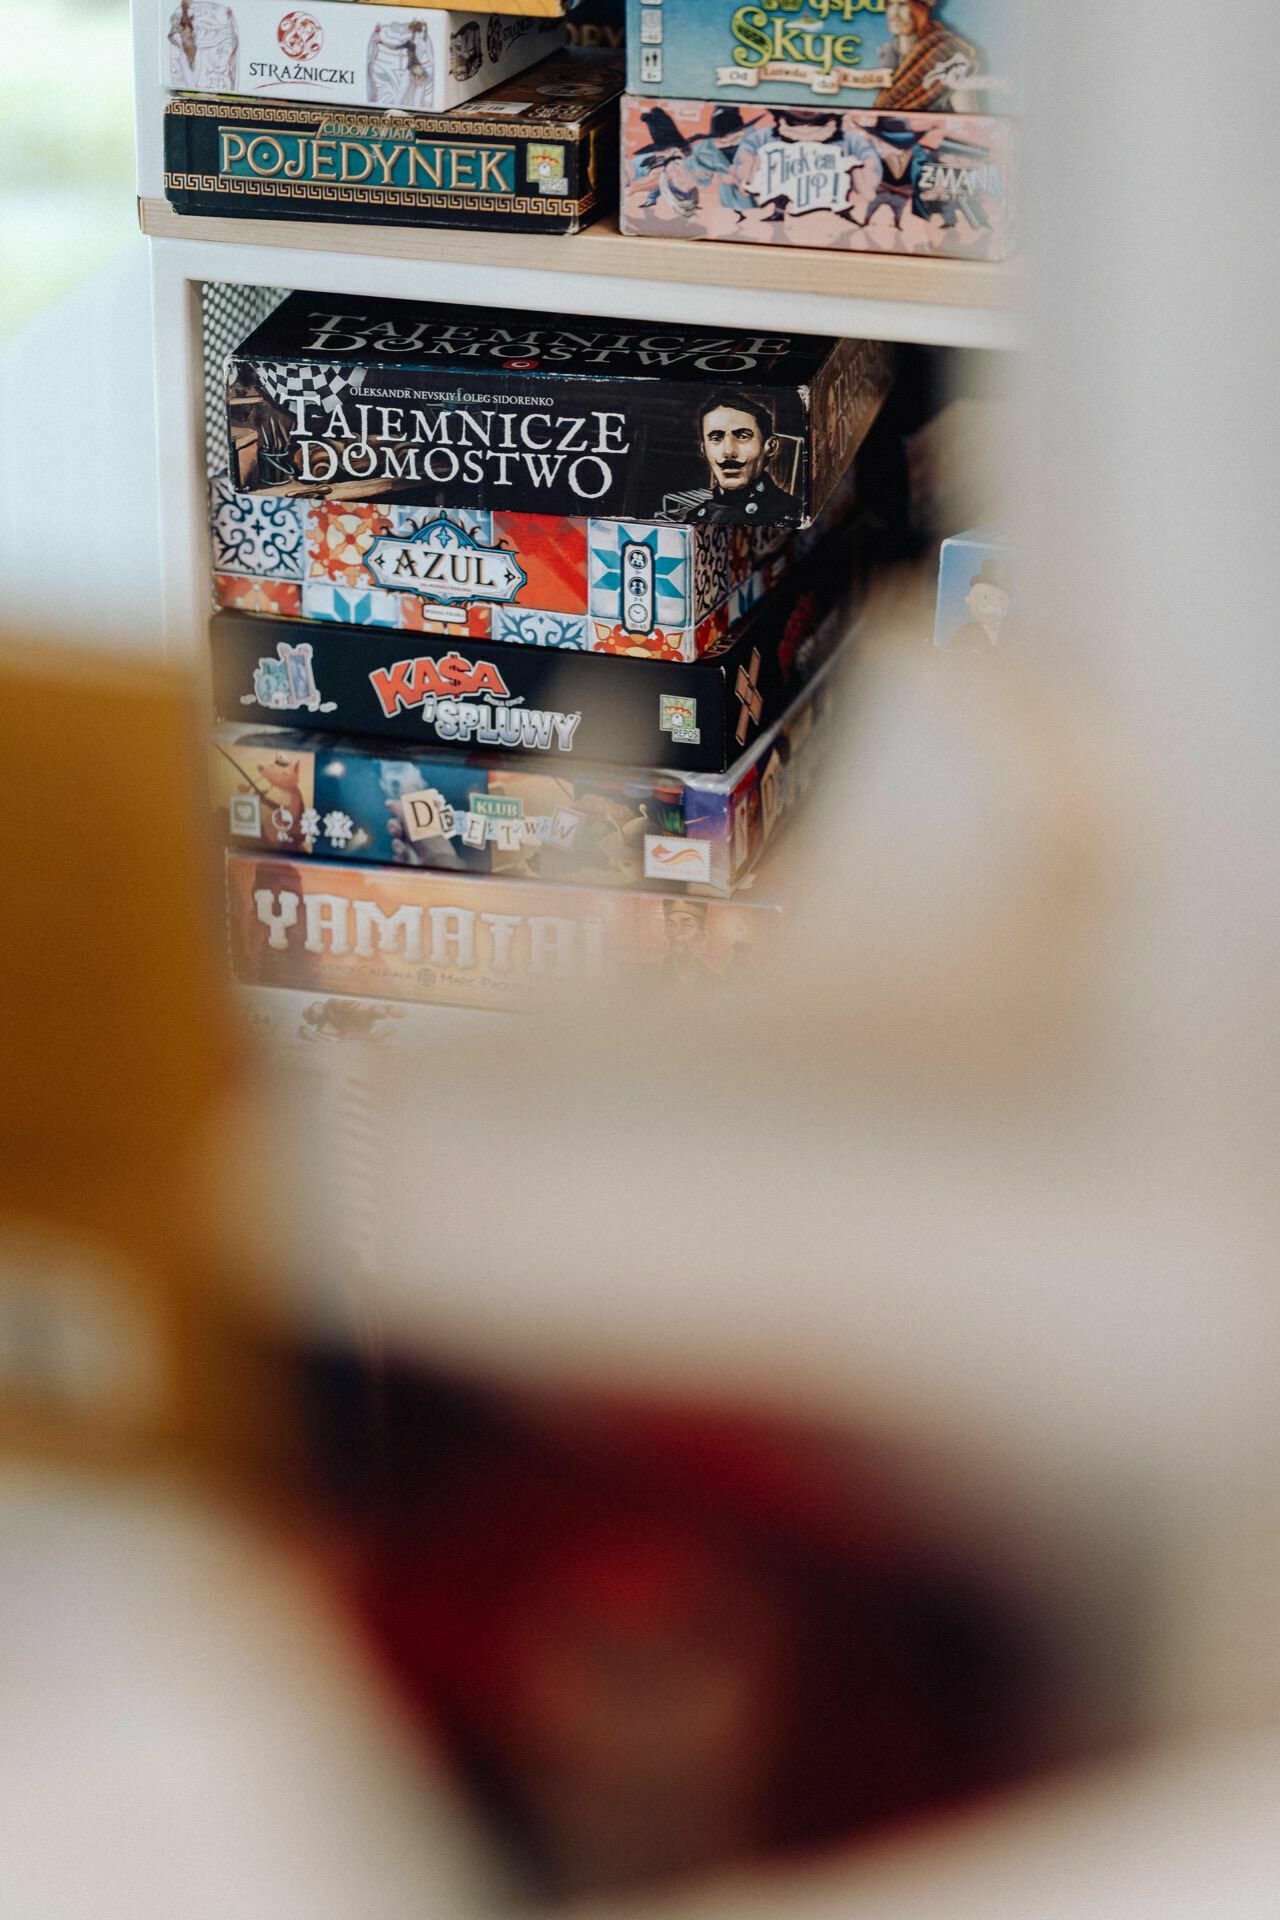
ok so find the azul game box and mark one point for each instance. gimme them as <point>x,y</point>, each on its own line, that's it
<point>819,176</point>
<point>553,703</point>
<point>977,614</point>
<point>327,52</point>
<point>533,155</point>
<point>605,586</point>
<point>397,934</point>
<point>281,791</point>
<point>901,56</point>
<point>350,397</point>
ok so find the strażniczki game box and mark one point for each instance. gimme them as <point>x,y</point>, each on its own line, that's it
<point>327,53</point>
<point>461,940</point>
<point>536,155</point>
<point>900,56</point>
<point>604,586</point>
<point>308,796</point>
<point>346,397</point>
<point>554,703</point>
<point>819,176</point>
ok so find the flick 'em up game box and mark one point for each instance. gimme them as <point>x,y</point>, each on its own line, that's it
<point>278,790</point>
<point>901,56</point>
<point>365,399</point>
<point>535,155</point>
<point>462,940</point>
<point>556,704</point>
<point>273,50</point>
<point>936,184</point>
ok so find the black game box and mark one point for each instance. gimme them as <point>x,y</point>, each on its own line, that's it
<point>345,397</point>
<point>538,154</point>
<point>553,703</point>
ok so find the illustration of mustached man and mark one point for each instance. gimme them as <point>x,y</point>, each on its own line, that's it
<point>738,442</point>
<point>930,64</point>
<point>401,70</point>
<point>204,47</point>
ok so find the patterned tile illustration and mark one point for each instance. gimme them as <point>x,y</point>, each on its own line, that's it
<point>670,547</point>
<point>530,627</point>
<point>338,537</point>
<point>252,535</point>
<point>357,606</point>
<point>281,597</point>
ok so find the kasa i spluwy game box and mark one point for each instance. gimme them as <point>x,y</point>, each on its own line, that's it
<point>277,790</point>
<point>535,155</point>
<point>900,56</point>
<point>348,397</point>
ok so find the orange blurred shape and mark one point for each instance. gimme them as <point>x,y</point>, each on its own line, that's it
<point>115,1339</point>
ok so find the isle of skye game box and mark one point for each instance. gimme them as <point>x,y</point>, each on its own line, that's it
<point>341,396</point>
<point>900,56</point>
<point>538,154</point>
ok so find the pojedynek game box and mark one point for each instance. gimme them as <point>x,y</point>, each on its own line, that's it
<point>344,396</point>
<point>553,703</point>
<point>901,56</point>
<point>327,53</point>
<point>606,586</point>
<point>819,176</point>
<point>463,940</point>
<point>277,790</point>
<point>536,155</point>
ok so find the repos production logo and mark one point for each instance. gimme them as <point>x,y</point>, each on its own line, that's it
<point>300,35</point>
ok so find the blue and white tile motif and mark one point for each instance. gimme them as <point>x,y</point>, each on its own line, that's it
<point>254,535</point>
<point>357,606</point>
<point>406,521</point>
<point>670,548</point>
<point>527,627</point>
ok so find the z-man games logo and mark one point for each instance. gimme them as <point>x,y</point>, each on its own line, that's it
<point>470,701</point>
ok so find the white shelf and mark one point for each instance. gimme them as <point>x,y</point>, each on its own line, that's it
<point>953,303</point>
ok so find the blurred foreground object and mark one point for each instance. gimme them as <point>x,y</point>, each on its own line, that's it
<point>117,1338</point>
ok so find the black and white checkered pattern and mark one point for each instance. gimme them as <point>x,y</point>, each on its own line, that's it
<point>306,380</point>
<point>227,314</point>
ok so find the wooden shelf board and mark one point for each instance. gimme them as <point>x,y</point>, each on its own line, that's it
<point>960,302</point>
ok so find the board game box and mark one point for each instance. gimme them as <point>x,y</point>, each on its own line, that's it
<point>819,176</point>
<point>278,790</point>
<point>598,23</point>
<point>396,934</point>
<point>901,56</point>
<point>537,154</point>
<point>542,9</point>
<point>606,586</point>
<point>552,703</point>
<point>326,52</point>
<point>977,612</point>
<point>349,397</point>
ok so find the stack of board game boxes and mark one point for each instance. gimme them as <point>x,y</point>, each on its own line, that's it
<point>879,126</point>
<point>375,111</point>
<point>524,641</point>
